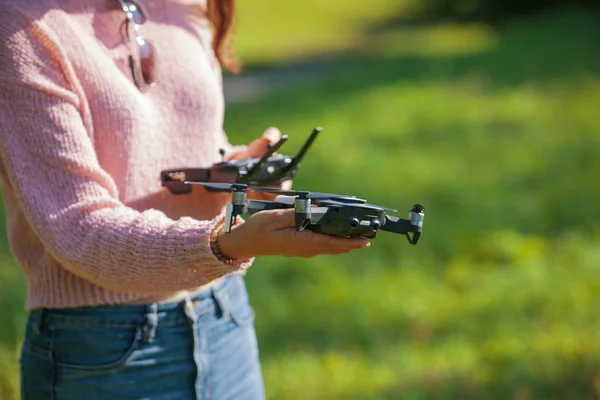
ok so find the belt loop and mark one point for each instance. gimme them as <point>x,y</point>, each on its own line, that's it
<point>221,297</point>
<point>151,322</point>
<point>188,308</point>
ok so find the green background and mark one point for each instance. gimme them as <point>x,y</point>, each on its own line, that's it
<point>496,130</point>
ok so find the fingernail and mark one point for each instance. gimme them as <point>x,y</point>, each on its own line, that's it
<point>365,243</point>
<point>272,134</point>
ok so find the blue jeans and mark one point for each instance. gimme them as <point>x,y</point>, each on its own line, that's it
<point>202,348</point>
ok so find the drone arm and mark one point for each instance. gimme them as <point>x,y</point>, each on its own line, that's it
<point>396,225</point>
<point>317,214</point>
<point>403,227</point>
<point>311,217</point>
<point>254,206</point>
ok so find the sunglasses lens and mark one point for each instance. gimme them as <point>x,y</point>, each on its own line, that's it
<point>146,66</point>
<point>147,59</point>
<point>134,12</point>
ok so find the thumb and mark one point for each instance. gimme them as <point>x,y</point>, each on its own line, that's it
<point>259,146</point>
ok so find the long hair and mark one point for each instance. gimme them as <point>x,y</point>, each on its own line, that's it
<point>221,14</point>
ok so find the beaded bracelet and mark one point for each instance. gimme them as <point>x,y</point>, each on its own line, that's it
<point>216,249</point>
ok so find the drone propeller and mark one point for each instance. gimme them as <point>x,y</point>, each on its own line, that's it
<point>363,205</point>
<point>219,187</point>
<point>380,207</point>
<point>308,195</point>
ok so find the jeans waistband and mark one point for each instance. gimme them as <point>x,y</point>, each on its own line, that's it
<point>126,315</point>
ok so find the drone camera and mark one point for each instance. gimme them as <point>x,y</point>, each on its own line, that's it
<point>354,223</point>
<point>375,226</point>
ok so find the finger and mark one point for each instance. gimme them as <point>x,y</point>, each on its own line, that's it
<point>324,241</point>
<point>259,146</point>
<point>283,219</point>
<point>287,185</point>
<point>274,220</point>
<point>331,252</point>
<point>272,134</point>
<point>309,242</point>
<point>308,248</point>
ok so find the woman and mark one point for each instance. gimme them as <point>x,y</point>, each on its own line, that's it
<point>132,292</point>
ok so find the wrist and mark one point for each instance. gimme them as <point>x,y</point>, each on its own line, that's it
<point>223,250</point>
<point>229,245</point>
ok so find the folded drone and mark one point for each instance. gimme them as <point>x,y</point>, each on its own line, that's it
<point>270,169</point>
<point>333,214</point>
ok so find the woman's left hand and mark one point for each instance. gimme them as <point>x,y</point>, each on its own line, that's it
<point>257,148</point>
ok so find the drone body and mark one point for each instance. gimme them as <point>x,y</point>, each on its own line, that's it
<point>332,214</point>
<point>347,220</point>
<point>270,169</point>
<point>347,216</point>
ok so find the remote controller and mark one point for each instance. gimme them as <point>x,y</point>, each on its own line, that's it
<point>269,170</point>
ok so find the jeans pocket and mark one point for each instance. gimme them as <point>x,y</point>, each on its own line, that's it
<point>94,349</point>
<point>36,370</point>
<point>242,313</point>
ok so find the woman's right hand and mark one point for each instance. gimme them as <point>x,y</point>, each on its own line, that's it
<point>273,232</point>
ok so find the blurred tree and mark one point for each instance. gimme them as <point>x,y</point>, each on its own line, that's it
<point>497,11</point>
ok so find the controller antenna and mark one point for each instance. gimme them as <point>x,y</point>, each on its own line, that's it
<point>302,152</point>
<point>255,168</point>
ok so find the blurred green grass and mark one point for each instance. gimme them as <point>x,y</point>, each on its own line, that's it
<point>498,134</point>
<point>274,31</point>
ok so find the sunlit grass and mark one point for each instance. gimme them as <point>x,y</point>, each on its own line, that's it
<point>9,388</point>
<point>11,304</point>
<point>516,311</point>
<point>436,41</point>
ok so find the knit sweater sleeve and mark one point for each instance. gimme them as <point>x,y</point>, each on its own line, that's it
<point>49,161</point>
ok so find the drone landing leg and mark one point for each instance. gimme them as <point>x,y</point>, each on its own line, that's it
<point>230,219</point>
<point>301,219</point>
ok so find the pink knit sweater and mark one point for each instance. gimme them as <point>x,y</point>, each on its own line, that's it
<point>81,149</point>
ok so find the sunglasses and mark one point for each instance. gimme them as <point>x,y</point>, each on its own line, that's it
<point>142,68</point>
